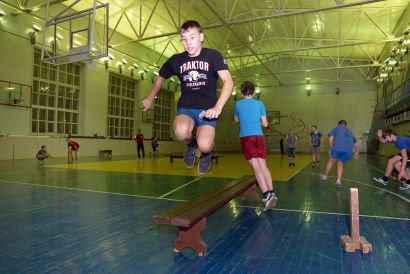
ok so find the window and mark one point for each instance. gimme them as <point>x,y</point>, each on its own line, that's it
<point>162,115</point>
<point>56,97</point>
<point>121,106</point>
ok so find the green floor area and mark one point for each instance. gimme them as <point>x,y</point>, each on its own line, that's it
<point>304,192</point>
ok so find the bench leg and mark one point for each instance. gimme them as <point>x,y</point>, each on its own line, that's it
<point>251,192</point>
<point>191,237</point>
<point>171,159</point>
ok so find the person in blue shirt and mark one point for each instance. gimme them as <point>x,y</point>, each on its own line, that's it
<point>250,114</point>
<point>400,162</point>
<point>341,142</point>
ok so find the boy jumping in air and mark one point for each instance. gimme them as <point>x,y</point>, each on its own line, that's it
<point>198,70</point>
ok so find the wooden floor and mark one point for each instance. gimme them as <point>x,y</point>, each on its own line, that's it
<point>94,216</point>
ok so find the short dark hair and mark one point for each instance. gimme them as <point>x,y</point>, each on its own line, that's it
<point>42,147</point>
<point>247,88</point>
<point>190,24</point>
<point>315,126</point>
<point>342,123</point>
<point>388,132</point>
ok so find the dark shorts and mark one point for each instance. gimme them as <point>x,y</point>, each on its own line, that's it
<point>198,116</point>
<point>253,147</point>
<point>401,159</point>
<point>41,157</point>
<point>315,150</point>
<point>341,156</point>
<point>291,152</point>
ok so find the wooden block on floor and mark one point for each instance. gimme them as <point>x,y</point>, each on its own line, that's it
<point>347,243</point>
<point>365,246</point>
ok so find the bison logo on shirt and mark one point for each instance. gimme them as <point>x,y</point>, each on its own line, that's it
<point>193,75</point>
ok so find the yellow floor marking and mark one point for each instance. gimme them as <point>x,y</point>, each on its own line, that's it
<point>230,166</point>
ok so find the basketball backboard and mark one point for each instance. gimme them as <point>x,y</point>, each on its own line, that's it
<point>74,36</point>
<point>14,94</point>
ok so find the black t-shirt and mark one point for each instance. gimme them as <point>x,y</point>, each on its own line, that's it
<point>198,76</point>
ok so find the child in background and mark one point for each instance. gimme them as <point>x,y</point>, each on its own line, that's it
<point>315,143</point>
<point>154,145</point>
<point>73,147</point>
<point>42,154</point>
<point>341,142</point>
<point>139,140</point>
<point>291,140</point>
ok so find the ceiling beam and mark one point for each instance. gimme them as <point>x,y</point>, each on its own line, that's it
<point>315,48</point>
<point>240,39</point>
<point>306,70</point>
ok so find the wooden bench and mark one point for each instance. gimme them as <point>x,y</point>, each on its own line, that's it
<point>105,153</point>
<point>190,216</point>
<point>172,156</point>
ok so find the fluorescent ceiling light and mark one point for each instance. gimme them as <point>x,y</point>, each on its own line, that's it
<point>36,27</point>
<point>2,13</point>
<point>59,36</point>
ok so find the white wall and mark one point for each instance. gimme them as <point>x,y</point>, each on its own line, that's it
<point>95,103</point>
<point>16,65</point>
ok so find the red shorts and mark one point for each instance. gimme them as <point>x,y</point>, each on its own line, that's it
<point>253,147</point>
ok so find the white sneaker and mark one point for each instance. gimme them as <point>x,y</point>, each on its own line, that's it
<point>323,177</point>
<point>270,202</point>
<point>405,186</point>
<point>338,183</point>
<point>380,180</point>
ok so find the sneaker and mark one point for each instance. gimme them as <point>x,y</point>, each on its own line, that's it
<point>290,164</point>
<point>338,183</point>
<point>323,177</point>
<point>405,186</point>
<point>380,180</point>
<point>267,197</point>
<point>313,164</point>
<point>205,163</point>
<point>270,201</point>
<point>189,156</point>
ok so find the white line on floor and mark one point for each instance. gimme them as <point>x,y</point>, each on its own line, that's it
<point>93,191</point>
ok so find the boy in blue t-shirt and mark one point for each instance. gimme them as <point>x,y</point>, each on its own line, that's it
<point>250,114</point>
<point>341,142</point>
<point>400,162</point>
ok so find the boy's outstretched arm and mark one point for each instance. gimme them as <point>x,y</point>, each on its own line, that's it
<point>156,86</point>
<point>227,87</point>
